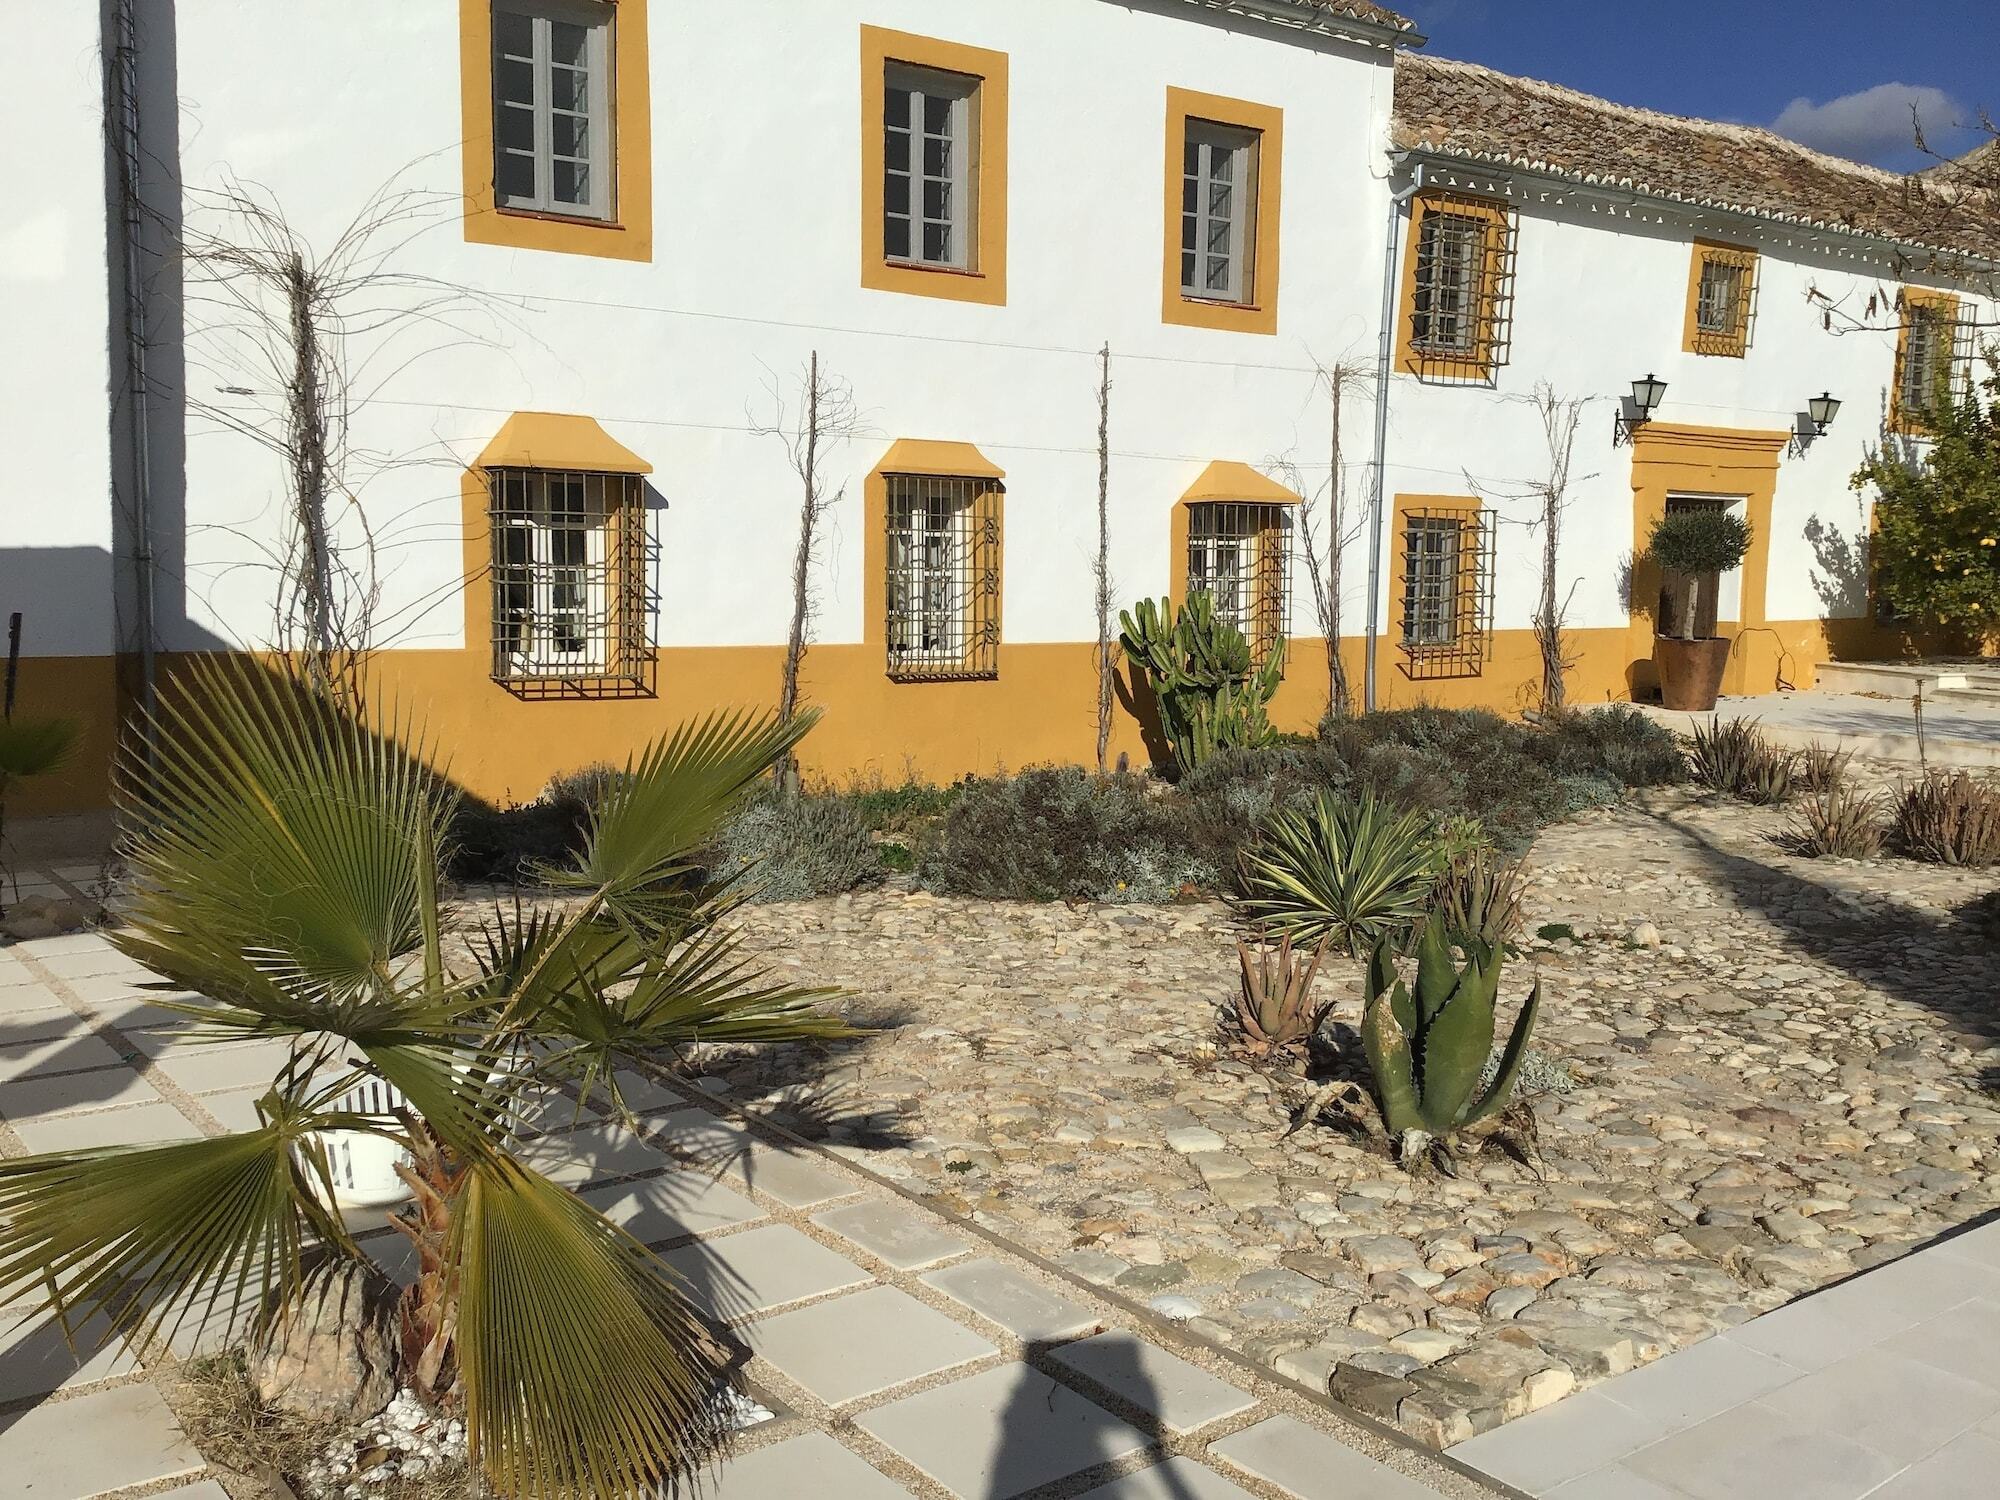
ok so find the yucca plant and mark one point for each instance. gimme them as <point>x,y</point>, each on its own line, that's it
<point>1733,756</point>
<point>1478,899</point>
<point>1839,822</point>
<point>1950,818</point>
<point>1355,872</point>
<point>285,869</point>
<point>1427,1047</point>
<point>1274,1006</point>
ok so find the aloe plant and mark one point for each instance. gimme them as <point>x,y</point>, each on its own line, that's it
<point>1275,1006</point>
<point>1427,1048</point>
<point>1355,872</point>
<point>1210,694</point>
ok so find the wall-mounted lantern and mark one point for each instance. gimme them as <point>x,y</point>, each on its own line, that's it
<point>1647,394</point>
<point>1823,408</point>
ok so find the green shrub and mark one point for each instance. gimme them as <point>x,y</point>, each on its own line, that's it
<point>1617,745</point>
<point>1699,541</point>
<point>1355,872</point>
<point>586,784</point>
<point>1949,818</point>
<point>1060,833</point>
<point>795,848</point>
<point>512,845</point>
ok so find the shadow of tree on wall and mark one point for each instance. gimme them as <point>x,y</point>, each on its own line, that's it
<point>1839,568</point>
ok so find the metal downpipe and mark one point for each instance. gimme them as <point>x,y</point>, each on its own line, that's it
<point>1384,356</point>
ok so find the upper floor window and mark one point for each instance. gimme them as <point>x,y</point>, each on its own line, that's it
<point>1239,554</point>
<point>934,168</point>
<point>1218,211</point>
<point>1722,289</point>
<point>552,114</point>
<point>1927,357</point>
<point>1458,289</point>
<point>943,591</point>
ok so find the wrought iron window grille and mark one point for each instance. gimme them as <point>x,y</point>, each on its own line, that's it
<point>1240,555</point>
<point>1462,299</point>
<point>943,578</point>
<point>570,604</point>
<point>1725,312</point>
<point>1446,611</point>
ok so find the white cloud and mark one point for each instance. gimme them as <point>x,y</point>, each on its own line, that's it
<point>1872,123</point>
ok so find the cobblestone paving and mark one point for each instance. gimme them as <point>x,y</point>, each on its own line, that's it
<point>906,1357</point>
<point>1782,1072</point>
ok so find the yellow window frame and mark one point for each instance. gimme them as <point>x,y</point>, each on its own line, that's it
<point>1946,305</point>
<point>1733,342</point>
<point>1258,311</point>
<point>1492,312</point>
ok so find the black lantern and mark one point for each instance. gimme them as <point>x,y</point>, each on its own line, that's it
<point>1647,394</point>
<point>1823,408</point>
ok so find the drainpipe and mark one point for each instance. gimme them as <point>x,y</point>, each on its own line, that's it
<point>125,92</point>
<point>1384,355</point>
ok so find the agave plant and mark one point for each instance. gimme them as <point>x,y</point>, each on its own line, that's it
<point>1838,822</point>
<point>1478,899</point>
<point>1950,818</point>
<point>1274,1005</point>
<point>1428,1048</point>
<point>286,870</point>
<point>1355,872</point>
<point>1733,756</point>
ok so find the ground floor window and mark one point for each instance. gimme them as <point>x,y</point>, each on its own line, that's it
<point>1447,590</point>
<point>944,577</point>
<point>1239,554</point>
<point>568,577</point>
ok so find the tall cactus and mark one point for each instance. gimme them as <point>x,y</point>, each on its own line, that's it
<point>1211,696</point>
<point>1428,1049</point>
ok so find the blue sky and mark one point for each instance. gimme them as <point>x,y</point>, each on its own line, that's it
<point>1839,75</point>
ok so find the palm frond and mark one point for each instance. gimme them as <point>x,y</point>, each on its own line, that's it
<point>585,1371</point>
<point>35,747</point>
<point>278,861</point>
<point>149,1236</point>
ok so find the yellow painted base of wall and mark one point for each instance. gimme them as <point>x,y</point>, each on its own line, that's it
<point>1042,707</point>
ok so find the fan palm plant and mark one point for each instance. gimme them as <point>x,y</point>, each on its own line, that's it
<point>285,870</point>
<point>31,747</point>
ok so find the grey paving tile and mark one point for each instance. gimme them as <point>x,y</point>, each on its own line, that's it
<point>1176,1479</point>
<point>68,942</point>
<point>1815,1332</point>
<point>895,1235</point>
<point>39,1098</point>
<point>1981,1245</point>
<point>1560,1442</point>
<point>105,1440</point>
<point>108,989</point>
<point>1179,1395</point>
<point>206,1068</point>
<point>1753,1450</point>
<point>574,1157</point>
<point>1916,1286</point>
<point>1307,1463</point>
<point>73,1050</point>
<point>22,1027</point>
<point>672,1205</point>
<point>1894,1405</point>
<point>86,963</point>
<point>863,1344</point>
<point>21,995</point>
<point>207,1489</point>
<point>1001,1433</point>
<point>1964,1342</point>
<point>1966,1468</point>
<point>794,1178</point>
<point>236,1109</point>
<point>1027,1309</point>
<point>812,1465</point>
<point>761,1268</point>
<point>139,1125</point>
<point>1614,1483</point>
<point>1696,1383</point>
<point>35,1358</point>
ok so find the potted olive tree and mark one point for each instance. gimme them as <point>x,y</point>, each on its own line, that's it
<point>1693,548</point>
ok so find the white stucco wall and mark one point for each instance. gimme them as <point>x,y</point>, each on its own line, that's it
<point>756,263</point>
<point>55,522</point>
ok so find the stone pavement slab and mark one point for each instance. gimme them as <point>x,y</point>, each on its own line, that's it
<point>205,1068</point>
<point>863,1344</point>
<point>39,1098</point>
<point>1968,1465</point>
<point>208,1489</point>
<point>104,1440</point>
<point>715,1144</point>
<point>69,1049</point>
<point>1304,1462</point>
<point>1176,1479</point>
<point>575,1157</point>
<point>672,1205</point>
<point>1162,1385</point>
<point>735,1275</point>
<point>1027,1309</point>
<point>1752,1450</point>
<point>892,1234</point>
<point>1001,1433</point>
<point>136,1125</point>
<point>814,1465</point>
<point>35,1357</point>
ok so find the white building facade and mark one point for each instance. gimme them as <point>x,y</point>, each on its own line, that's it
<point>568,261</point>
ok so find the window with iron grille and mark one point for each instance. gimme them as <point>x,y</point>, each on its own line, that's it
<point>929,125</point>
<point>1239,554</point>
<point>1461,292</point>
<point>1218,212</point>
<point>569,605</point>
<point>1725,292</point>
<point>1930,360</point>
<point>944,577</point>
<point>552,122</point>
<point>1447,593</point>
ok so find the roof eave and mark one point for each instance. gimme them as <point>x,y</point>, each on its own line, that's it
<point>1310,18</point>
<point>1499,165</point>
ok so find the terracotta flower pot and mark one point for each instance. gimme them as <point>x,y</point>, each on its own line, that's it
<point>1690,671</point>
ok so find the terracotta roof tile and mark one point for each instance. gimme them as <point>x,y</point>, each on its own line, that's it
<point>1365,11</point>
<point>1463,110</point>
